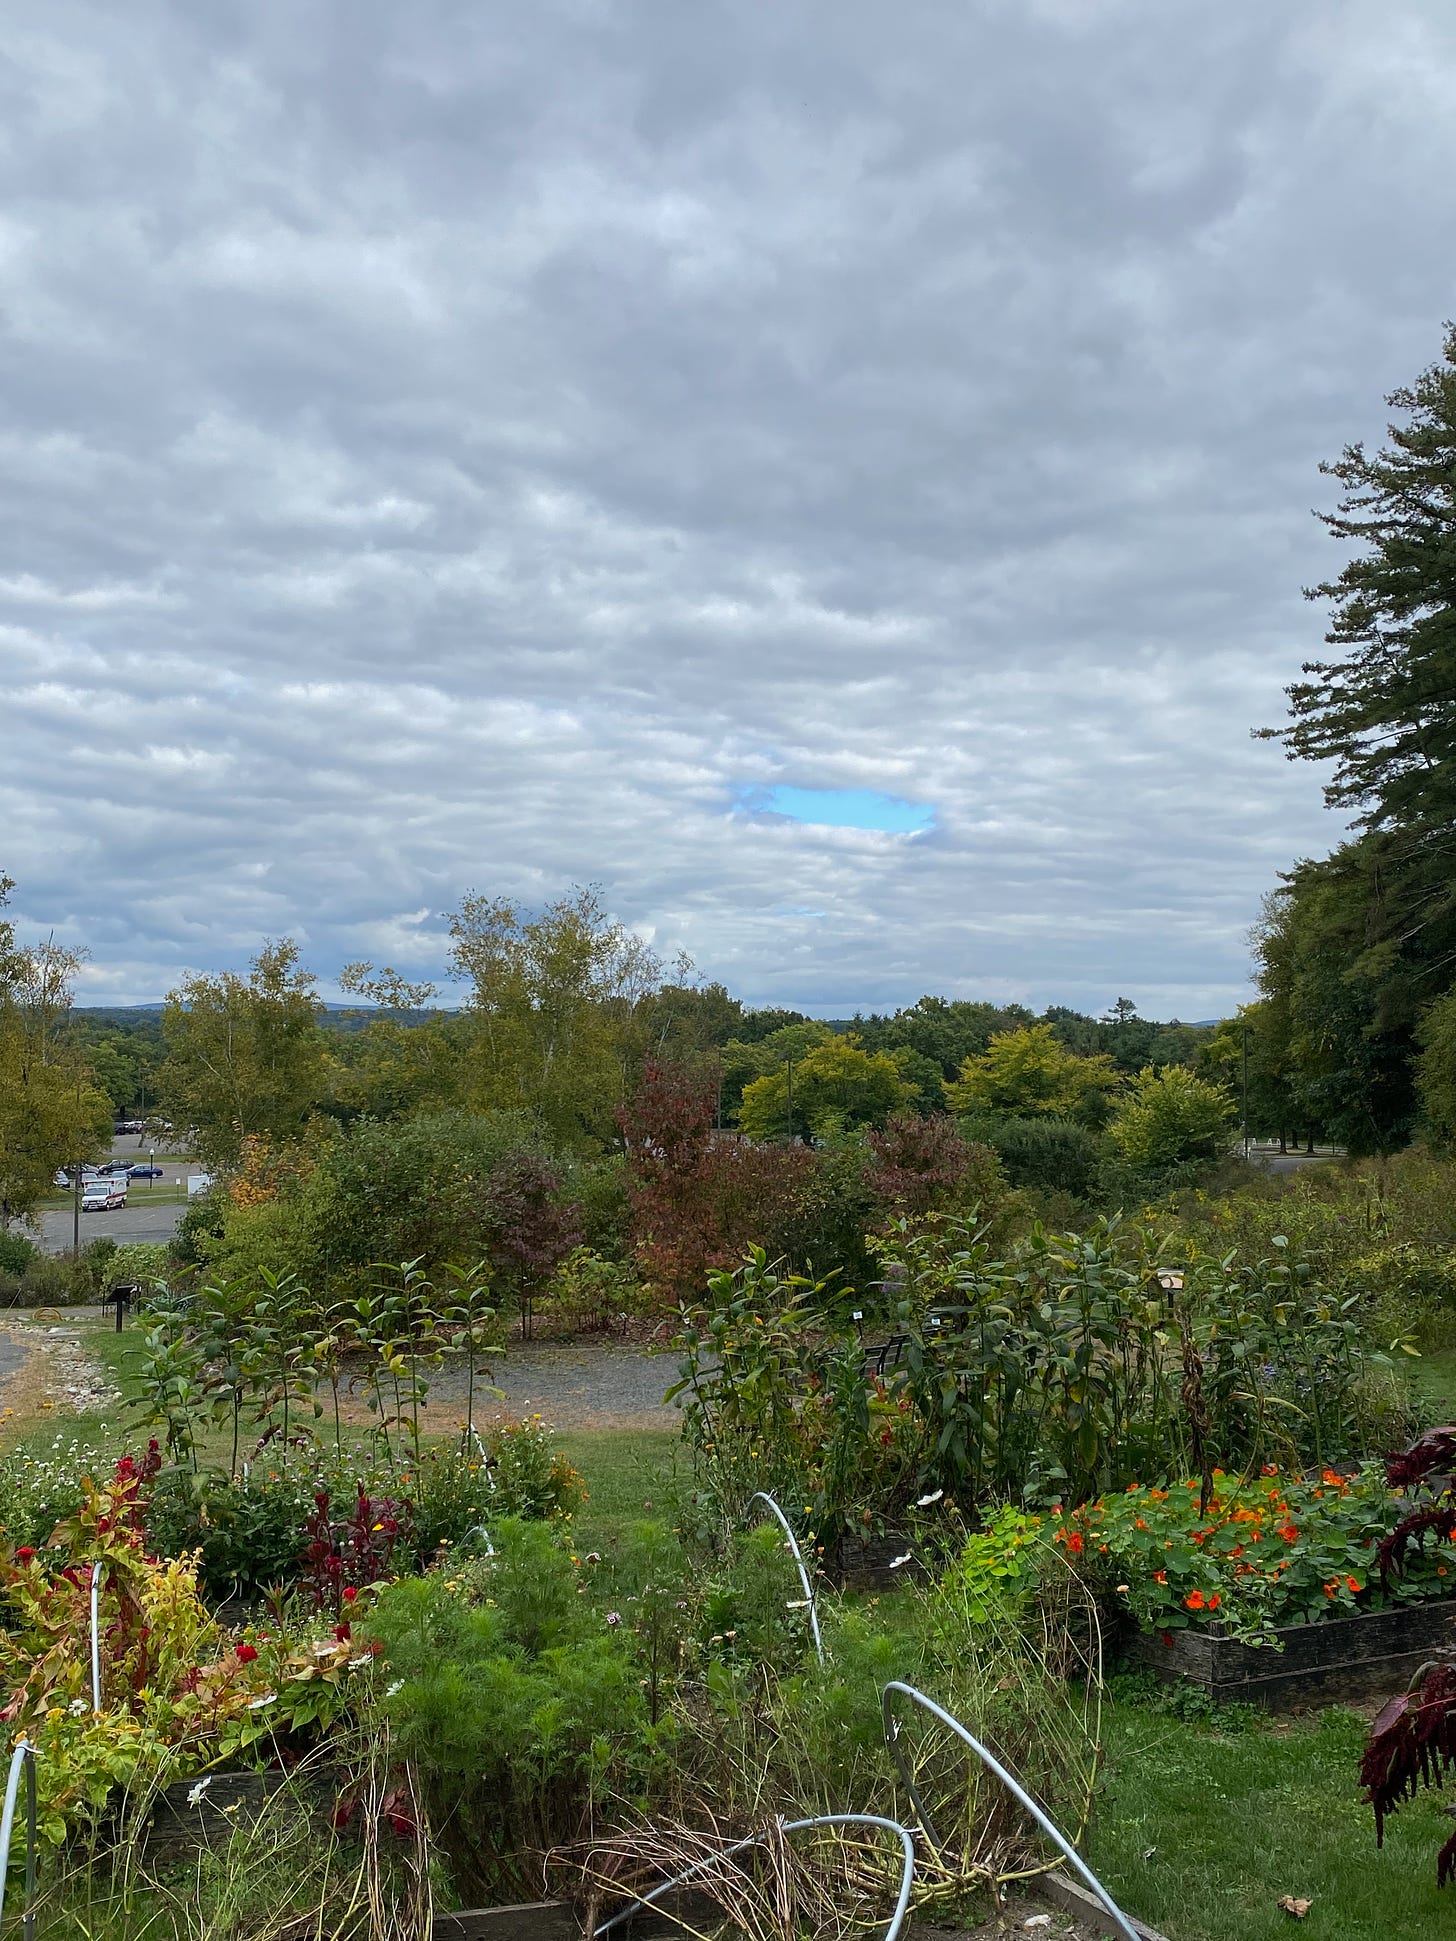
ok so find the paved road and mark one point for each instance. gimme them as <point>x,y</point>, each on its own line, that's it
<point>137,1221</point>
<point>1289,1162</point>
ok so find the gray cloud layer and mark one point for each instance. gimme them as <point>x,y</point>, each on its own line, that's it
<point>458,446</point>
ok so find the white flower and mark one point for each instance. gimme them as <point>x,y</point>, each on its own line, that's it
<point>77,1706</point>
<point>257,1704</point>
<point>367,1659</point>
<point>195,1793</point>
<point>395,1685</point>
<point>903,1558</point>
<point>924,1502</point>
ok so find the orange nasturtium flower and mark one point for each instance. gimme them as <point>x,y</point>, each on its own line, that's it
<point>1194,1600</point>
<point>1353,1582</point>
<point>1160,1576</point>
<point>1289,1532</point>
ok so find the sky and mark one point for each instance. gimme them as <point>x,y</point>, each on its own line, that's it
<point>838,476</point>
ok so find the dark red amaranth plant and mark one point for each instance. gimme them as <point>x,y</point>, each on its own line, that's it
<point>340,1559</point>
<point>1412,1740</point>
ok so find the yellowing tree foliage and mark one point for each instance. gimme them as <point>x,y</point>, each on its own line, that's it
<point>1170,1116</point>
<point>51,1112</point>
<point>837,1086</point>
<point>554,1002</point>
<point>1032,1074</point>
<point>245,1056</point>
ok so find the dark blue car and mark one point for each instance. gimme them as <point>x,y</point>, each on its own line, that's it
<point>144,1172</point>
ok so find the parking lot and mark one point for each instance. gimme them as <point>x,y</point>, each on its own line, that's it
<point>153,1207</point>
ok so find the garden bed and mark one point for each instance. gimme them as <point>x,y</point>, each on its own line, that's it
<point>1336,1660</point>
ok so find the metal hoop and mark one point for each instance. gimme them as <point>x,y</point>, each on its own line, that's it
<point>902,1900</point>
<point>96,1636</point>
<point>1013,1785</point>
<point>23,1755</point>
<point>762,1496</point>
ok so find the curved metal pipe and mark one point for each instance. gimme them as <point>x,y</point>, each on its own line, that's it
<point>96,1636</point>
<point>762,1496</point>
<point>23,1755</point>
<point>902,1899</point>
<point>1013,1785</point>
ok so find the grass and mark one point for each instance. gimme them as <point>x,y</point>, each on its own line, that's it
<point>629,1476</point>
<point>1432,1382</point>
<point>1201,1830</point>
<point>1204,1822</point>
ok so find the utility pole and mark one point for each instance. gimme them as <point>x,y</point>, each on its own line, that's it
<point>76,1182</point>
<point>1244,1108</point>
<point>791,1099</point>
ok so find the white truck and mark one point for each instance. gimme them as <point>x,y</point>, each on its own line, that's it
<point>101,1195</point>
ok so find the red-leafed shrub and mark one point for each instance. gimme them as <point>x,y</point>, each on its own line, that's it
<point>699,1196</point>
<point>1412,1741</point>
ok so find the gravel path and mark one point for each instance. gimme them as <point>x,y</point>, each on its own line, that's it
<point>575,1385</point>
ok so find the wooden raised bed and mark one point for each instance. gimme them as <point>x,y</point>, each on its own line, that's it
<point>1365,1656</point>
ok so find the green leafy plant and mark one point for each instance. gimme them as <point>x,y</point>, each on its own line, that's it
<point>1258,1553</point>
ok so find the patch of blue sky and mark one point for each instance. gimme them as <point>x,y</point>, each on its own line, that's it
<point>840,808</point>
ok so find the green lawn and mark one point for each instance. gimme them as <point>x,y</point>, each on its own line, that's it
<point>1199,1832</point>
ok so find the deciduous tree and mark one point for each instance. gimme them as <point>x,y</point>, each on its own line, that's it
<point>245,1056</point>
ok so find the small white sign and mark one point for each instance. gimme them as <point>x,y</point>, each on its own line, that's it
<point>198,1183</point>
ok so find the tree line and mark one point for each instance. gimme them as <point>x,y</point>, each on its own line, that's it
<point>1354,1031</point>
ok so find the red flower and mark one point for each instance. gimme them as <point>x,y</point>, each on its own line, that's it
<point>349,1593</point>
<point>341,1632</point>
<point>24,1555</point>
<point>1213,1600</point>
<point>1289,1532</point>
<point>1074,1543</point>
<point>246,1654</point>
<point>1194,1600</point>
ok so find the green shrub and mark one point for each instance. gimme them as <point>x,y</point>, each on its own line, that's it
<point>520,1707</point>
<point>249,1532</point>
<point>1048,1155</point>
<point>142,1261</point>
<point>1406,1291</point>
<point>16,1253</point>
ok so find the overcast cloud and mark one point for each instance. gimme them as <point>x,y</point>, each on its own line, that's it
<point>459,446</point>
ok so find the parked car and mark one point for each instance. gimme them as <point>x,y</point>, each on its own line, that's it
<point>128,1125</point>
<point>113,1166</point>
<point>144,1172</point>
